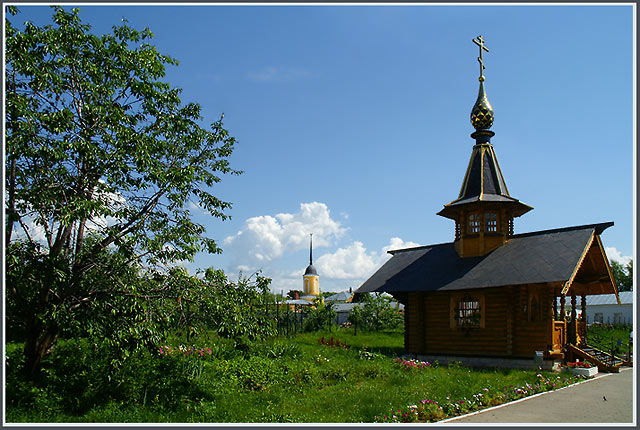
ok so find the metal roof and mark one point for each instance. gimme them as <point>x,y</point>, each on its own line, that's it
<point>346,307</point>
<point>626,298</point>
<point>531,258</point>
<point>339,297</point>
<point>311,270</point>
<point>299,302</point>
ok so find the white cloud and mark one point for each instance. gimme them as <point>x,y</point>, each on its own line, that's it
<point>354,262</point>
<point>35,232</point>
<point>614,254</point>
<point>397,243</point>
<point>266,238</point>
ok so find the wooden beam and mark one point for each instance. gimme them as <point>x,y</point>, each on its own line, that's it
<point>567,284</point>
<point>606,263</point>
<point>592,260</point>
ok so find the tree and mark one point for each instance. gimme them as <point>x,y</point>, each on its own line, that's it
<point>102,157</point>
<point>291,294</point>
<point>376,313</point>
<point>320,316</point>
<point>623,275</point>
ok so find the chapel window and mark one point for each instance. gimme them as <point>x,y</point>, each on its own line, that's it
<point>467,312</point>
<point>490,222</point>
<point>474,223</point>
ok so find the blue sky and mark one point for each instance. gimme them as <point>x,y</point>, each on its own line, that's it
<point>352,122</point>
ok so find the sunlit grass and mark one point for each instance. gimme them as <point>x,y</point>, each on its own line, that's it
<point>295,379</point>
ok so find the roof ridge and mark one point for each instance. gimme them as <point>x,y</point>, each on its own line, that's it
<point>599,227</point>
<point>416,248</point>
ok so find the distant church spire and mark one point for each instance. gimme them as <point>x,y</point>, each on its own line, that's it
<point>310,277</point>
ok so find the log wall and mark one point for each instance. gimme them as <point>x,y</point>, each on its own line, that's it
<point>517,321</point>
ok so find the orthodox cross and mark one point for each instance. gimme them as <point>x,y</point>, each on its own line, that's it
<point>480,42</point>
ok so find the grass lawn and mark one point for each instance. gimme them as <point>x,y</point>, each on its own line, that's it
<point>295,379</point>
<point>606,336</point>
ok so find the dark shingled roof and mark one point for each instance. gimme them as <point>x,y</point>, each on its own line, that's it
<point>311,270</point>
<point>483,182</point>
<point>530,258</point>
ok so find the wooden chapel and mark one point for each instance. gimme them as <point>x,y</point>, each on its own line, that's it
<point>492,293</point>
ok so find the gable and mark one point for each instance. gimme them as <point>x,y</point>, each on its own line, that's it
<point>592,275</point>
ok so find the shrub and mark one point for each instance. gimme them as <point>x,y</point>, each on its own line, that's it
<point>320,316</point>
<point>375,314</point>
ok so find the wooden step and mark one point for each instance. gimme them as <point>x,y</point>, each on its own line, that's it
<point>603,360</point>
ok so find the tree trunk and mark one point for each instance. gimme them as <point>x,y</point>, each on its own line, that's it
<point>11,211</point>
<point>39,343</point>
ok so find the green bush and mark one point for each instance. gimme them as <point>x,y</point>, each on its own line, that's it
<point>321,316</point>
<point>75,377</point>
<point>376,313</point>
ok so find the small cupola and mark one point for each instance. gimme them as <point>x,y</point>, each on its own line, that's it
<point>484,210</point>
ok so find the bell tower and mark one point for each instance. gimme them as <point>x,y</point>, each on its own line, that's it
<point>310,278</point>
<point>484,210</point>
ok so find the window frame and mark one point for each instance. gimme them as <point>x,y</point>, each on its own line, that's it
<point>474,223</point>
<point>491,222</point>
<point>455,308</point>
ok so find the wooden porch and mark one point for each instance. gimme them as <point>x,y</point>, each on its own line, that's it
<point>570,341</point>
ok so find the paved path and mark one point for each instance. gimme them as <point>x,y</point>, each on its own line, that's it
<point>581,403</point>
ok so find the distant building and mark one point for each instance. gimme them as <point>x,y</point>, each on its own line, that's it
<point>310,278</point>
<point>341,297</point>
<point>604,309</point>
<point>310,282</point>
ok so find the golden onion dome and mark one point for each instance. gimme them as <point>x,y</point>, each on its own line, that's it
<point>482,112</point>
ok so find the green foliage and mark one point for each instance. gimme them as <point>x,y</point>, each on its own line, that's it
<point>104,161</point>
<point>605,337</point>
<point>623,275</point>
<point>320,316</point>
<point>376,313</point>
<point>210,301</point>
<point>280,380</point>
